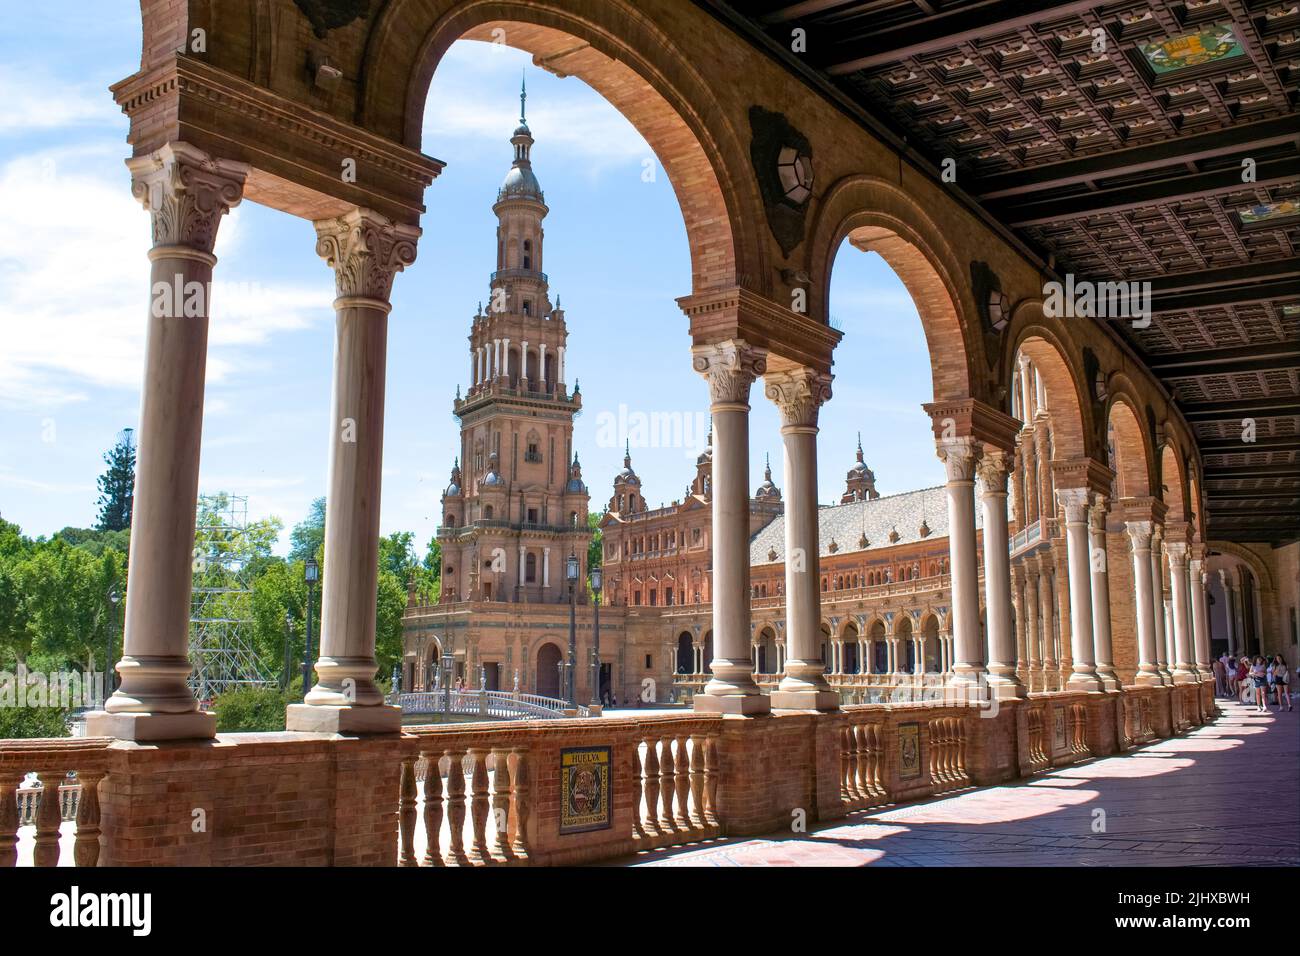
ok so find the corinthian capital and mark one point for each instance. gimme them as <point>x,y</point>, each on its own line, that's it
<point>365,250</point>
<point>1139,533</point>
<point>1074,501</point>
<point>186,192</point>
<point>798,394</point>
<point>993,468</point>
<point>730,368</point>
<point>959,457</point>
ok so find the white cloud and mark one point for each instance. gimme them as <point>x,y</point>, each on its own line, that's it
<point>474,96</point>
<point>35,101</point>
<point>74,269</point>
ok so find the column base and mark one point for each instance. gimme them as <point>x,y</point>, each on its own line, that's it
<point>1090,683</point>
<point>194,725</point>
<point>1148,679</point>
<point>1007,688</point>
<point>327,719</point>
<point>744,705</point>
<point>823,700</point>
<point>1184,677</point>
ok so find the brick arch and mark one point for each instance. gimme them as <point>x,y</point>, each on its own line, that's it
<point>1132,464</point>
<point>877,216</point>
<point>1197,505</point>
<point>1173,483</point>
<point>1257,567</point>
<point>1067,398</point>
<point>617,51</point>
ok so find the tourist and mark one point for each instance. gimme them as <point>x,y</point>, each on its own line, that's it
<point>1281,678</point>
<point>1243,684</point>
<point>1259,683</point>
<point>1231,676</point>
<point>1220,685</point>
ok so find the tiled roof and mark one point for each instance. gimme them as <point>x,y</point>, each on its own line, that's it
<point>845,524</point>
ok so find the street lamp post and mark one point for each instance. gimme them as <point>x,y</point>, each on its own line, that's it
<point>311,573</point>
<point>288,652</point>
<point>114,598</point>
<point>596,581</point>
<point>571,575</point>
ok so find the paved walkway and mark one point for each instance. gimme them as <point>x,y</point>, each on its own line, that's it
<point>1225,794</point>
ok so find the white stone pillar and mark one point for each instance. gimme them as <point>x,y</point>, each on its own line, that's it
<point>523,557</point>
<point>186,194</point>
<point>1046,618</point>
<point>541,363</point>
<point>959,456</point>
<point>1139,533</point>
<point>559,367</point>
<point>473,367</point>
<point>1083,674</point>
<point>524,383</point>
<point>1101,632</point>
<point>799,394</point>
<point>546,567</point>
<point>1229,614</point>
<point>366,251</point>
<point>1184,656</point>
<point>730,368</point>
<point>1032,633</point>
<point>994,468</point>
<point>1158,605</point>
<point>1201,634</point>
<point>496,358</point>
<point>505,360</point>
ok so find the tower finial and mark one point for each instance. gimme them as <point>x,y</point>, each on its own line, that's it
<point>523,97</point>
<point>859,446</point>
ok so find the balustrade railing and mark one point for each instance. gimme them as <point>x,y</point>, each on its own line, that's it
<point>49,801</point>
<point>495,704</point>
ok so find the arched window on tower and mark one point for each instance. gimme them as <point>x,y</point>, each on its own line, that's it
<point>528,254</point>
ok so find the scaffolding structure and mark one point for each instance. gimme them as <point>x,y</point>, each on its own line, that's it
<point>222,655</point>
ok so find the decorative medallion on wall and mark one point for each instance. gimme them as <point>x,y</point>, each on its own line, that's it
<point>782,159</point>
<point>994,306</point>
<point>909,751</point>
<point>327,15</point>
<point>585,789</point>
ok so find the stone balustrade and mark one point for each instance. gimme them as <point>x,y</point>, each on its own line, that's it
<point>494,794</point>
<point>71,772</point>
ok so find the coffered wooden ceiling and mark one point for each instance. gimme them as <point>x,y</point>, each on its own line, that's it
<point>1111,138</point>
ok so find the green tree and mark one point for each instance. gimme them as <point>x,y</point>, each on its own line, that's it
<point>389,608</point>
<point>117,484</point>
<point>307,538</point>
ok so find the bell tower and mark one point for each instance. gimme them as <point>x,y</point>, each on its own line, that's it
<point>516,506</point>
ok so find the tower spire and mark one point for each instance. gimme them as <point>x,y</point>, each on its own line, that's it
<point>523,97</point>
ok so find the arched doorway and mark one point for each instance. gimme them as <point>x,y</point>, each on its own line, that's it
<point>685,654</point>
<point>546,679</point>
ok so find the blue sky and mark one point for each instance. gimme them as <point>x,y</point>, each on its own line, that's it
<point>74,285</point>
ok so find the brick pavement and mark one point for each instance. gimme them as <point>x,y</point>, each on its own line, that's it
<point>1223,794</point>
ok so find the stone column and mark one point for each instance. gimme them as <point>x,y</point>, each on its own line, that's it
<point>730,368</point>
<point>523,561</point>
<point>1047,658</point>
<point>1032,634</point>
<point>1083,673</point>
<point>1229,614</point>
<point>1200,633</point>
<point>959,456</point>
<point>546,567</point>
<point>1158,604</point>
<point>1184,656</point>
<point>559,370</point>
<point>1102,645</point>
<point>1139,533</point>
<point>366,251</point>
<point>799,394</point>
<point>541,363</point>
<point>186,193</point>
<point>994,467</point>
